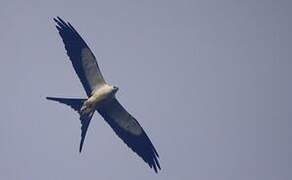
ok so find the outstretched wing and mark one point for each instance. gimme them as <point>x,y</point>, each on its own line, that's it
<point>83,60</point>
<point>130,131</point>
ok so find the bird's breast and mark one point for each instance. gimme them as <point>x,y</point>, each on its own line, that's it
<point>100,94</point>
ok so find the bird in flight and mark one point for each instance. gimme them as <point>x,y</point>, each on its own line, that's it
<point>101,98</point>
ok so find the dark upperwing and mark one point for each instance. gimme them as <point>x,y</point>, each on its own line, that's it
<point>83,60</point>
<point>130,131</point>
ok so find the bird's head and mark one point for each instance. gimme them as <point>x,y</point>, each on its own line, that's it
<point>115,89</point>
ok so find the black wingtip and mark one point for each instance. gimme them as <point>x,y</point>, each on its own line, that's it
<point>155,168</point>
<point>59,21</point>
<point>55,19</point>
<point>51,98</point>
<point>157,165</point>
<point>80,147</point>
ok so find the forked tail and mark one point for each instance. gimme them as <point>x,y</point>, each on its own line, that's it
<point>76,104</point>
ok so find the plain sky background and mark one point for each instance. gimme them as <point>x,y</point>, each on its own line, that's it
<point>209,81</point>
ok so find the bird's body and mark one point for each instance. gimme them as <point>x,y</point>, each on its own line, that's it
<point>99,95</point>
<point>101,98</point>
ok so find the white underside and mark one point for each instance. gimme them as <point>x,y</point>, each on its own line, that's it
<point>102,93</point>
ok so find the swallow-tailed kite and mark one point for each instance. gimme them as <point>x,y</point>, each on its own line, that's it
<point>101,98</point>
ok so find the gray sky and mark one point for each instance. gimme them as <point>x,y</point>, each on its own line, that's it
<point>210,82</point>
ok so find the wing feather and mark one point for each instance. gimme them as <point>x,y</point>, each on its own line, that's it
<point>130,131</point>
<point>82,58</point>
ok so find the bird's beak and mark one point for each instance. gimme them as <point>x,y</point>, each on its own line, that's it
<point>116,89</point>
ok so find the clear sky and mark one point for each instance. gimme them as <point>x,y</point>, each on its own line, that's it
<point>209,81</point>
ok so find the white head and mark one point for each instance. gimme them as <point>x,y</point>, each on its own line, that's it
<point>115,89</point>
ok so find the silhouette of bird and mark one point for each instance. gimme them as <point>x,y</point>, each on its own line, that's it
<point>101,98</point>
